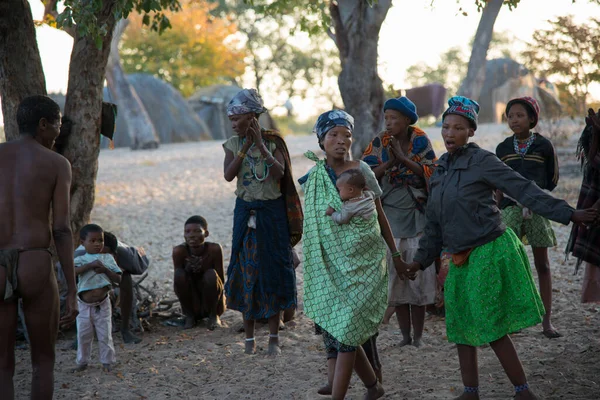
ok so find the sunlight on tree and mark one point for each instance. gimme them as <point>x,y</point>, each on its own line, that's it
<point>567,53</point>
<point>199,49</point>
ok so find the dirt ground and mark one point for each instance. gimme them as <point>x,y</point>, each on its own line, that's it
<point>146,196</point>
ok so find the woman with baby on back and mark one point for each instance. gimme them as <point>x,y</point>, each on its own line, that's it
<point>489,291</point>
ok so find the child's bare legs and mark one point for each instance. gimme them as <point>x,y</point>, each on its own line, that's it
<point>508,357</point>
<point>274,349</point>
<point>418,323</point>
<point>469,370</point>
<point>542,265</point>
<point>389,312</point>
<point>403,315</point>
<point>250,342</point>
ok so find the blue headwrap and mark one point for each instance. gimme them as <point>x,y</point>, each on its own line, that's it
<point>330,119</point>
<point>465,107</point>
<point>246,101</point>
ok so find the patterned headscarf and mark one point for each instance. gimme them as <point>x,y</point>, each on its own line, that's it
<point>330,119</point>
<point>465,107</point>
<point>244,102</point>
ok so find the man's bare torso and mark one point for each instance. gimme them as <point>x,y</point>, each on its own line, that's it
<point>28,175</point>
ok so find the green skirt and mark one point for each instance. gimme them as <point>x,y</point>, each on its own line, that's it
<point>492,294</point>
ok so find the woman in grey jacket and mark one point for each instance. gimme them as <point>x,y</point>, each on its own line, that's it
<point>489,290</point>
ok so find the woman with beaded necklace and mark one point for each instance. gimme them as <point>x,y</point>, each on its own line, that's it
<point>267,220</point>
<point>534,157</point>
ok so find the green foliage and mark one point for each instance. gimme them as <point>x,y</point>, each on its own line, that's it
<point>199,50</point>
<point>567,53</point>
<point>278,50</point>
<point>82,15</point>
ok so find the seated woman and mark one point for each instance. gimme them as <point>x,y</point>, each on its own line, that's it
<point>199,276</point>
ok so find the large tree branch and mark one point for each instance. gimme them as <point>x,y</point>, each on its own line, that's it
<point>50,10</point>
<point>341,34</point>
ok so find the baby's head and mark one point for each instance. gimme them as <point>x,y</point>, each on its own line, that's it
<point>92,238</point>
<point>351,183</point>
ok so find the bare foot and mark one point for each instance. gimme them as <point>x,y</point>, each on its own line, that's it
<point>468,396</point>
<point>190,322</point>
<point>374,392</point>
<point>79,368</point>
<point>325,390</point>
<point>526,395</point>
<point>418,342</point>
<point>250,347</point>
<point>274,349</point>
<point>405,342</point>
<point>106,368</point>
<point>213,322</point>
<point>129,337</point>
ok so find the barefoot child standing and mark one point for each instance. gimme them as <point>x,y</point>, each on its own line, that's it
<point>97,272</point>
<point>489,290</point>
<point>533,156</point>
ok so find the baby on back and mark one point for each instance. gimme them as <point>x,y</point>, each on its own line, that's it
<point>358,202</point>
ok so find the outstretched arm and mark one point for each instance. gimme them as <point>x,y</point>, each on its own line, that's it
<point>63,237</point>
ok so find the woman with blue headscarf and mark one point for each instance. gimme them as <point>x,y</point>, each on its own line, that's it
<point>489,292</point>
<point>345,273</point>
<point>267,220</point>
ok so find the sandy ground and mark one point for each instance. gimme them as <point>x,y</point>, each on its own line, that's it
<point>145,197</point>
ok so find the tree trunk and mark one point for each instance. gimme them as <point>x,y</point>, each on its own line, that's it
<point>357,27</point>
<point>83,106</point>
<point>21,73</point>
<point>141,129</point>
<point>471,86</point>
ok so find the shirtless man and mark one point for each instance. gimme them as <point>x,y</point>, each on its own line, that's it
<point>199,275</point>
<point>33,181</point>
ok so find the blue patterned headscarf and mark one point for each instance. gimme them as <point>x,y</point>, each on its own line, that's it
<point>330,119</point>
<point>465,107</point>
<point>246,101</point>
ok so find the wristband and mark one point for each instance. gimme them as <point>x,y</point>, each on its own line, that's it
<point>396,254</point>
<point>241,155</point>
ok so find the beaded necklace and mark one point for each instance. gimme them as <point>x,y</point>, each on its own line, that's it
<point>253,162</point>
<point>520,147</point>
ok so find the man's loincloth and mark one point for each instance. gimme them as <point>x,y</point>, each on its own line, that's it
<point>9,259</point>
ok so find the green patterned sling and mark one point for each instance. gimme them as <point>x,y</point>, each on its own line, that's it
<point>345,272</point>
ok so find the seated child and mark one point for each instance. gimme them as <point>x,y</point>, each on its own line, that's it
<point>199,275</point>
<point>358,202</point>
<point>96,273</point>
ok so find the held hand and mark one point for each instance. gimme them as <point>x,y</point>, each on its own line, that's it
<point>586,216</point>
<point>141,251</point>
<point>330,211</point>
<point>71,311</point>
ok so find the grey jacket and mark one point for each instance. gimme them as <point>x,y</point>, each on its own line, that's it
<point>461,210</point>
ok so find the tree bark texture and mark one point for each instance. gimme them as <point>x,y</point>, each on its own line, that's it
<point>473,83</point>
<point>140,127</point>
<point>357,27</point>
<point>83,106</point>
<point>21,73</point>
